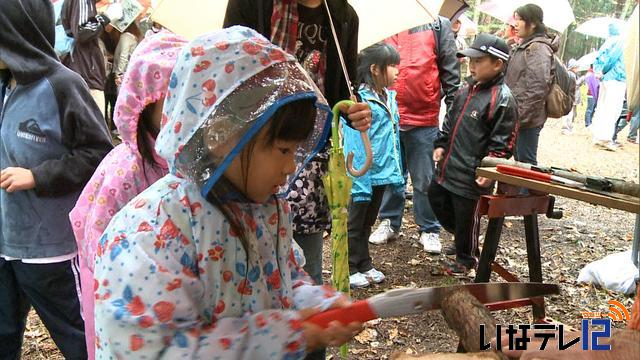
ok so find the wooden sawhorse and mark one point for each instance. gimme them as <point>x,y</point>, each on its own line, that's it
<point>509,203</point>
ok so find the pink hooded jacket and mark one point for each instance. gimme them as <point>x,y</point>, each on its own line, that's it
<point>123,173</point>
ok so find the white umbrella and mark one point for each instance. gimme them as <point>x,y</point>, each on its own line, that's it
<point>558,14</point>
<point>586,61</point>
<point>467,26</point>
<point>380,19</point>
<point>190,18</point>
<point>599,27</point>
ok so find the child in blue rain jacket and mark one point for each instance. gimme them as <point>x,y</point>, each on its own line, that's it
<point>199,265</point>
<point>377,70</point>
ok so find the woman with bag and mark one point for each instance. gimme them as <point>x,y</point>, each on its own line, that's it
<point>529,78</point>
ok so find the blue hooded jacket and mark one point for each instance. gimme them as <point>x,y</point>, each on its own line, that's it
<point>609,61</point>
<point>386,168</point>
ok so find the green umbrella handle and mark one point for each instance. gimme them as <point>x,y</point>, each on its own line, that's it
<point>363,135</point>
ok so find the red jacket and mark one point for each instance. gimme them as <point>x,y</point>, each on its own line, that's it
<point>428,64</point>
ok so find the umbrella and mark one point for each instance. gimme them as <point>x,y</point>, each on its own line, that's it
<point>599,27</point>
<point>190,18</point>
<point>380,20</point>
<point>337,185</point>
<point>558,14</point>
<point>467,26</point>
<point>585,62</point>
<point>452,9</point>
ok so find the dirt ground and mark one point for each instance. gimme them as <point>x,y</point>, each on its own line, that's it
<point>585,233</point>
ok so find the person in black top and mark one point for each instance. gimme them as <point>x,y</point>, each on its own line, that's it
<point>482,122</point>
<point>302,29</point>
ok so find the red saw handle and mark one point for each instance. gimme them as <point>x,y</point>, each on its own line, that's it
<point>359,311</point>
<point>525,173</point>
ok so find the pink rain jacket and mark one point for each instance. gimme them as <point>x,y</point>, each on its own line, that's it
<point>123,173</point>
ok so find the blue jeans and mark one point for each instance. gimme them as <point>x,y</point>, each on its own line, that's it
<point>527,145</point>
<point>633,127</point>
<point>591,108</point>
<point>311,244</point>
<point>417,161</point>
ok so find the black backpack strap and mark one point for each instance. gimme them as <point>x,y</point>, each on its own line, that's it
<point>436,28</point>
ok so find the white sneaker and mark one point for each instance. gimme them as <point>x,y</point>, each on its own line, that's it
<point>383,233</point>
<point>374,276</point>
<point>431,242</point>
<point>358,280</point>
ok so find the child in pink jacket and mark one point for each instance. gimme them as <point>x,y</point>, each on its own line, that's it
<point>130,167</point>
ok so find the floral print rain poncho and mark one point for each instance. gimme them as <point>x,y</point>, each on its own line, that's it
<point>123,173</point>
<point>173,279</point>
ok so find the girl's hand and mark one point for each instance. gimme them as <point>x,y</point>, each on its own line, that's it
<point>16,178</point>
<point>340,302</point>
<point>438,154</point>
<point>483,181</point>
<point>335,334</point>
<point>359,114</point>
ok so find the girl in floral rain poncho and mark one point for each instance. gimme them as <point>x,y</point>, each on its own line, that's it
<point>131,166</point>
<point>200,264</point>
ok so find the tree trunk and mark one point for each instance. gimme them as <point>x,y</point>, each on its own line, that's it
<point>464,314</point>
<point>476,12</point>
<point>628,8</point>
<point>618,10</point>
<point>474,356</point>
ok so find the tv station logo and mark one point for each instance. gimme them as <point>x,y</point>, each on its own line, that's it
<point>595,326</point>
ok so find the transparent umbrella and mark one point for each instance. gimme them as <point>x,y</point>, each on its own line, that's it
<point>585,61</point>
<point>558,14</point>
<point>599,26</point>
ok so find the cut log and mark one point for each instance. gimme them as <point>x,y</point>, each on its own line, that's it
<point>474,356</point>
<point>464,314</point>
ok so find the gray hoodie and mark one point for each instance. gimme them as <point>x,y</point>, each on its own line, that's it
<point>49,124</point>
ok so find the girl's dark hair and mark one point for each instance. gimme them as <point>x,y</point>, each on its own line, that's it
<point>144,147</point>
<point>291,122</point>
<point>532,14</point>
<point>381,55</point>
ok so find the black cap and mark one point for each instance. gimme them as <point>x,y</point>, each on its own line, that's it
<point>486,44</point>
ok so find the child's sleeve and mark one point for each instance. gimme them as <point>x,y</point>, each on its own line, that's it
<point>505,127</point>
<point>448,63</point>
<point>443,135</point>
<point>84,26</point>
<point>305,293</point>
<point>84,133</point>
<point>154,299</point>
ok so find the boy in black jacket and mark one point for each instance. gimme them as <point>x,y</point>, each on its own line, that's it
<point>52,137</point>
<point>481,122</point>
